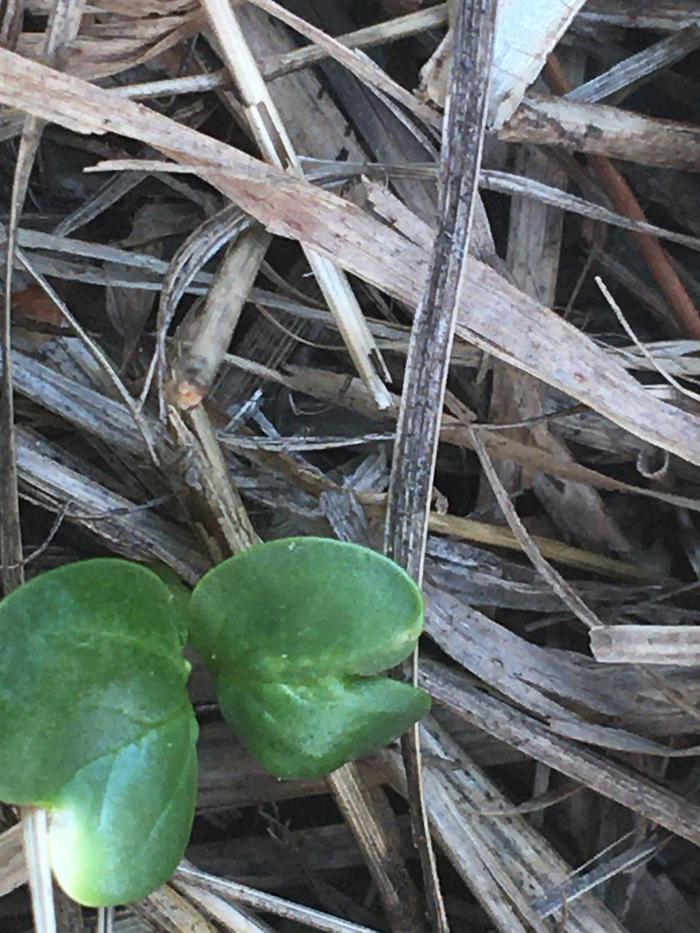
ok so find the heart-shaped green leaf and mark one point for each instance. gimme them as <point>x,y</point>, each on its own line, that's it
<point>96,725</point>
<point>291,629</point>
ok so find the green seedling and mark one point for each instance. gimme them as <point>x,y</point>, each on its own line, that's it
<point>293,630</point>
<point>96,725</point>
<point>95,722</point>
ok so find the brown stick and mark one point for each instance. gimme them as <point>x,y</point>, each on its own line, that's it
<point>622,197</point>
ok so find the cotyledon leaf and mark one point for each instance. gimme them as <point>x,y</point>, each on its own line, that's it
<point>305,730</point>
<point>292,629</point>
<point>96,725</point>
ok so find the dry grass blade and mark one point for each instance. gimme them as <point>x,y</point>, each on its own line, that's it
<point>473,865</point>
<point>570,598</point>
<point>430,348</point>
<point>582,883</point>
<point>370,828</point>
<point>599,129</point>
<point>11,23</point>
<point>355,61</point>
<point>525,35</point>
<point>85,407</point>
<point>229,916</point>
<point>266,903</point>
<point>647,644</point>
<point>662,54</point>
<point>664,15</point>
<point>105,920</point>
<point>36,852</point>
<point>399,27</point>
<point>507,183</point>
<point>167,910</point>
<point>13,865</point>
<point>10,533</point>
<point>272,137</point>
<point>617,311</point>
<point>496,536</point>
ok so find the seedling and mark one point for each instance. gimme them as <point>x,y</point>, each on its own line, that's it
<point>292,630</point>
<point>96,725</point>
